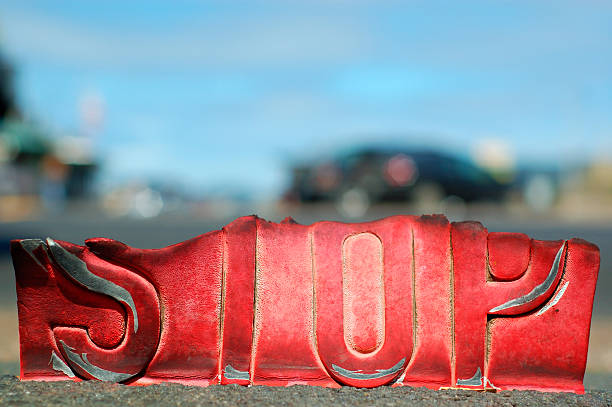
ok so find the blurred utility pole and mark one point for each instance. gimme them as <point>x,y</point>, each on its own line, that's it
<point>6,88</point>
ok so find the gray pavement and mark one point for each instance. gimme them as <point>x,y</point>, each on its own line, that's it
<point>15,393</point>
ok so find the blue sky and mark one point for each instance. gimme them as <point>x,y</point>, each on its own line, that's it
<point>225,95</point>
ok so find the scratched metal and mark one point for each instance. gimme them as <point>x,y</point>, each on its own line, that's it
<point>95,371</point>
<point>555,300</point>
<point>77,269</point>
<point>234,374</point>
<point>29,245</point>
<point>58,364</point>
<point>538,290</point>
<point>475,380</point>
<point>350,374</point>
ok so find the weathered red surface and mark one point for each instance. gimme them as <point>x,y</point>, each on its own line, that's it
<point>405,300</point>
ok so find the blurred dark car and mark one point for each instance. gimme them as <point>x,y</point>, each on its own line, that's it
<point>539,186</point>
<point>376,175</point>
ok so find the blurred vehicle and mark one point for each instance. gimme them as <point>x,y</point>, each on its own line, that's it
<point>368,175</point>
<point>538,187</point>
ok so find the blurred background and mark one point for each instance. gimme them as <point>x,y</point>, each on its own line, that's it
<point>152,122</point>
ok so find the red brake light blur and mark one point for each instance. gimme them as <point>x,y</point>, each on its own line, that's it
<point>400,170</point>
<point>327,177</point>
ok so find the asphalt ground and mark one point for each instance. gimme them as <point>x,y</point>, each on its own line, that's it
<point>14,393</point>
<point>163,231</point>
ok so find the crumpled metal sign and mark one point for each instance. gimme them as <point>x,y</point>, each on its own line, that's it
<point>403,301</point>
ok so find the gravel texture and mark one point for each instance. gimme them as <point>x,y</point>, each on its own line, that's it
<point>90,394</point>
